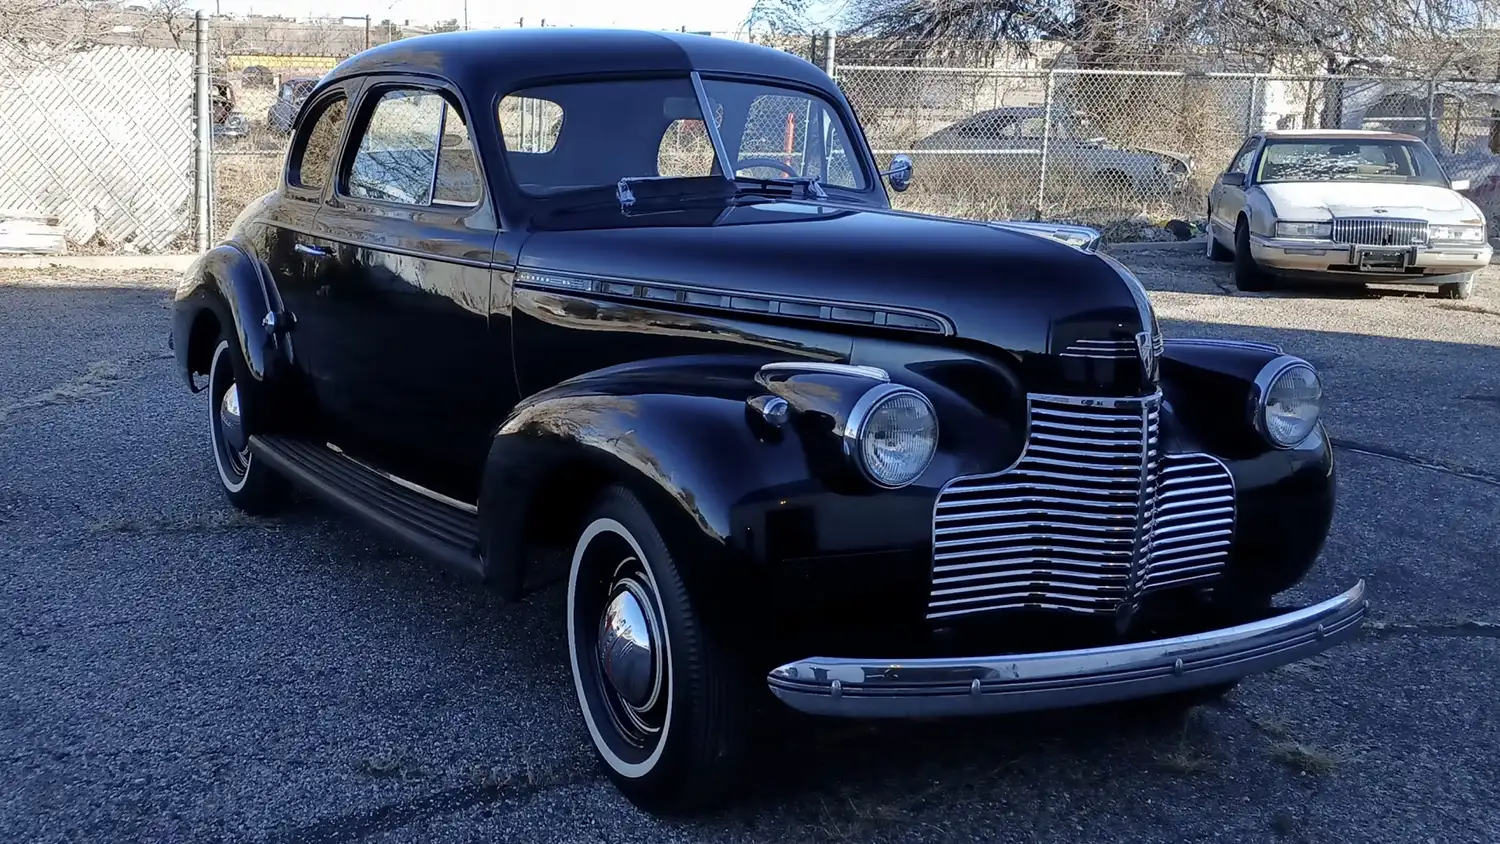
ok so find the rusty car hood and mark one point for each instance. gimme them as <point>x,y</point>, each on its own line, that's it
<point>1016,290</point>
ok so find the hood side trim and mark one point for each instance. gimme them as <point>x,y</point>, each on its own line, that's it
<point>738,302</point>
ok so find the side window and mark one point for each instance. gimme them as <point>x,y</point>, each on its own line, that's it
<point>458,167</point>
<point>1241,163</point>
<point>316,146</point>
<point>409,154</point>
<point>1028,127</point>
<point>529,124</point>
<point>685,150</point>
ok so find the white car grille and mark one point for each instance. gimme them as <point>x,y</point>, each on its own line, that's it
<point>1377,231</point>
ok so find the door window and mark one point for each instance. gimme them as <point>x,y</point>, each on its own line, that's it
<point>314,149</point>
<point>415,150</point>
<point>1241,163</point>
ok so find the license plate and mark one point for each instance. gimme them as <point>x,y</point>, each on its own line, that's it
<point>1382,260</point>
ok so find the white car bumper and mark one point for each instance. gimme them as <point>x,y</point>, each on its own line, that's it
<point>1414,264</point>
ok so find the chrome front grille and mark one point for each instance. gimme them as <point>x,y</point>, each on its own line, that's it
<point>1112,349</point>
<point>1092,515</point>
<point>1375,231</point>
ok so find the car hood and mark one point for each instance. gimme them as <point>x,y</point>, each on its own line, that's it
<point>1024,292</point>
<point>1314,201</point>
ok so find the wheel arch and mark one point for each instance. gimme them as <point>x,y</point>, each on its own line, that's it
<point>228,289</point>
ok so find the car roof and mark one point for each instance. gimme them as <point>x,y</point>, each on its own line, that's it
<point>510,58</point>
<point>1340,133</point>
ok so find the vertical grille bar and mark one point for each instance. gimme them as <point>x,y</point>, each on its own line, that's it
<point>1092,515</point>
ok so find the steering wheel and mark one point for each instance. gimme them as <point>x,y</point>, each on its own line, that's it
<point>746,163</point>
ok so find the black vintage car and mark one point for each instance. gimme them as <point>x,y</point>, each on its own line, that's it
<point>515,295</point>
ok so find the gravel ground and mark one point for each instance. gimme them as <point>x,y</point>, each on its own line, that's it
<point>171,671</point>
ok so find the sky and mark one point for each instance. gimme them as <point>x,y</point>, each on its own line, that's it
<point>696,15</point>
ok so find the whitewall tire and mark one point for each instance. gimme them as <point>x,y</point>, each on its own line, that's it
<point>251,486</point>
<point>664,707</point>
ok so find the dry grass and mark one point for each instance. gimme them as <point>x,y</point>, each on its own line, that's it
<point>1306,758</point>
<point>99,378</point>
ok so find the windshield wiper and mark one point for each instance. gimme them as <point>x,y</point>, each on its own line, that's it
<point>809,184</point>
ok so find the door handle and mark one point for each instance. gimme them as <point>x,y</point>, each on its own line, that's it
<point>312,251</point>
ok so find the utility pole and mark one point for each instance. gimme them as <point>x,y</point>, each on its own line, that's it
<point>466,15</point>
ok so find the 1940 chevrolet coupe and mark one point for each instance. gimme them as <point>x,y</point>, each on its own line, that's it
<point>514,293</point>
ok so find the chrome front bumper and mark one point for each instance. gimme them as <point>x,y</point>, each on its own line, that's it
<point>872,688</point>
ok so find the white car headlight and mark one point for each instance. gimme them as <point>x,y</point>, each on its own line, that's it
<point>1455,234</point>
<point>1310,231</point>
<point>1287,401</point>
<point>891,435</point>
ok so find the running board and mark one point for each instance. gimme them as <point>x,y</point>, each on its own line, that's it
<point>431,524</point>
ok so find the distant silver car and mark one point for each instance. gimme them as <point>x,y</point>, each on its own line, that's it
<point>1345,205</point>
<point>1074,143</point>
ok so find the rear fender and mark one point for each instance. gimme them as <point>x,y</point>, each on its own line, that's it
<point>237,288</point>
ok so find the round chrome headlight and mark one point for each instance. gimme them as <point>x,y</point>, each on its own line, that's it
<point>891,435</point>
<point>1288,401</point>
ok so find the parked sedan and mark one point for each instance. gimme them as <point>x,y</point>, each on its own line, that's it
<point>1074,145</point>
<point>795,448</point>
<point>1348,206</point>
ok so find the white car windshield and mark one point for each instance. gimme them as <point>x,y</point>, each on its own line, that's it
<point>1353,160</point>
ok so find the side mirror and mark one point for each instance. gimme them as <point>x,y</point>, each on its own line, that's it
<point>1459,184</point>
<point>900,172</point>
<point>1234,180</point>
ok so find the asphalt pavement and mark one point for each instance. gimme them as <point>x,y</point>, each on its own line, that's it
<point>173,671</point>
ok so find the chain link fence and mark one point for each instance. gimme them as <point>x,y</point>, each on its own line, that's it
<point>99,135</point>
<point>1106,147</point>
<point>97,140</point>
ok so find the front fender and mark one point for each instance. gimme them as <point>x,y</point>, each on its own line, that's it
<point>1284,497</point>
<point>236,287</point>
<point>681,434</point>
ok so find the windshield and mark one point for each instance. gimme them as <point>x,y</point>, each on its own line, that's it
<point>1358,160</point>
<point>580,136</point>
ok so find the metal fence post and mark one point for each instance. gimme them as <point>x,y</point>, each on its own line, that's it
<point>829,41</point>
<point>1430,133</point>
<point>1041,185</point>
<point>202,114</point>
<point>1253,110</point>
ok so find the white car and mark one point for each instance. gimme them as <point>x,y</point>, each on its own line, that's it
<point>1345,205</point>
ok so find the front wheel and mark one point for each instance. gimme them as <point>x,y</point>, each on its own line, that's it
<point>251,486</point>
<point>1248,276</point>
<point>665,706</point>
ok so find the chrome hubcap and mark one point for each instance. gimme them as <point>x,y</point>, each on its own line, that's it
<point>229,418</point>
<point>628,654</point>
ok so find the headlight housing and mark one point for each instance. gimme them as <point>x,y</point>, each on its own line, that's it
<point>1307,231</point>
<point>1455,234</point>
<point>891,435</point>
<point>1287,401</point>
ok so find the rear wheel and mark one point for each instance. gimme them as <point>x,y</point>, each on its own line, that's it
<point>251,486</point>
<point>1248,275</point>
<point>665,706</point>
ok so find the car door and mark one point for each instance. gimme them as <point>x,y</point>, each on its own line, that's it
<point>411,372</point>
<point>290,246</point>
<point>1226,201</point>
